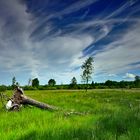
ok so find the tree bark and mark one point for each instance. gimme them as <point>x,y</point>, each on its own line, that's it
<point>19,98</point>
<point>30,101</point>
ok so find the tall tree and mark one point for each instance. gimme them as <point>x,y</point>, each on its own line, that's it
<point>51,82</point>
<point>92,84</point>
<point>137,81</point>
<point>13,82</point>
<point>29,82</point>
<point>73,83</point>
<point>87,68</point>
<point>108,83</point>
<point>35,82</point>
<point>137,78</point>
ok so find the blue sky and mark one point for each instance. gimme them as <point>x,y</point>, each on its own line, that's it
<point>52,38</point>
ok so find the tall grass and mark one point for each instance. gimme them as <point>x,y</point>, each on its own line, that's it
<point>107,115</point>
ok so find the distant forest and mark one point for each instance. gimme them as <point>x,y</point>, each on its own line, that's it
<point>34,85</point>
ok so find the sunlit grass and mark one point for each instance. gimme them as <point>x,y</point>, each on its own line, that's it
<point>107,115</point>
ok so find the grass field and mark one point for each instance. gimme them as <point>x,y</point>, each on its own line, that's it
<point>106,115</point>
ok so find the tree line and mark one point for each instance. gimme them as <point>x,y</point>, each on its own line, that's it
<point>74,85</point>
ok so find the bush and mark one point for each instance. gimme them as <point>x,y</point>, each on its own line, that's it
<point>29,88</point>
<point>3,88</point>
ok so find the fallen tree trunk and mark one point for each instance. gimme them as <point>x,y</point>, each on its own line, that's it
<point>19,99</point>
<point>29,101</point>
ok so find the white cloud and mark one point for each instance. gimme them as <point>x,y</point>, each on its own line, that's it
<point>118,56</point>
<point>119,10</point>
<point>76,6</point>
<point>16,48</point>
<point>61,54</point>
<point>56,54</point>
<point>130,75</point>
<point>112,75</point>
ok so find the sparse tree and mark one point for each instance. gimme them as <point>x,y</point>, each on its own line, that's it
<point>51,82</point>
<point>137,81</point>
<point>87,68</point>
<point>137,78</point>
<point>92,84</point>
<point>122,84</point>
<point>35,82</point>
<point>73,83</point>
<point>108,83</point>
<point>29,82</point>
<point>17,83</point>
<point>13,82</point>
<point>3,88</point>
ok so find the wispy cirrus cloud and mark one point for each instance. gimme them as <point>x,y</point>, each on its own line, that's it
<point>118,55</point>
<point>53,39</point>
<point>20,54</point>
<point>75,7</point>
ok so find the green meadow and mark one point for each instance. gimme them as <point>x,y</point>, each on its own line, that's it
<point>93,115</point>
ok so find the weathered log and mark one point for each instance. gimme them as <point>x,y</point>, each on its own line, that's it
<point>19,98</point>
<point>30,101</point>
